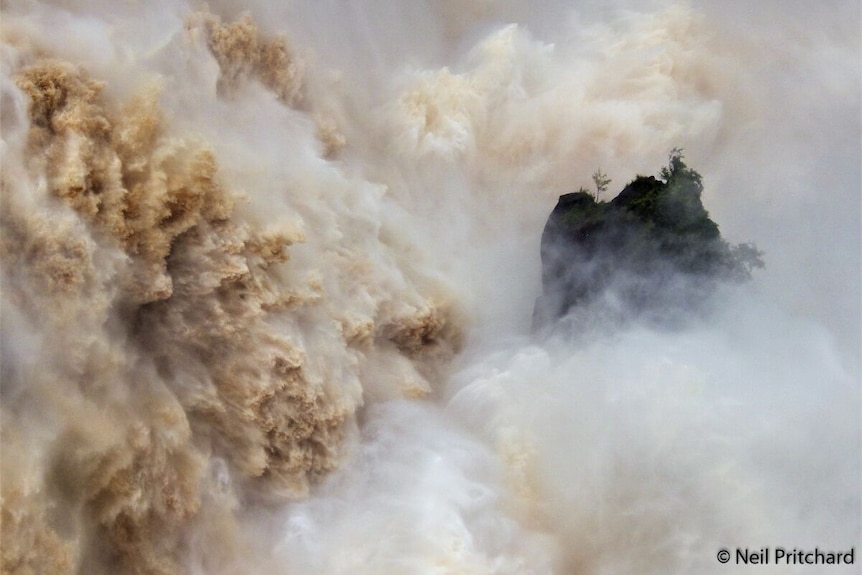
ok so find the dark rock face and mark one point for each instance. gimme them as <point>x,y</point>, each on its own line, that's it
<point>653,249</point>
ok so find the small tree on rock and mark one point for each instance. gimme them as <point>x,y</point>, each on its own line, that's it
<point>601,180</point>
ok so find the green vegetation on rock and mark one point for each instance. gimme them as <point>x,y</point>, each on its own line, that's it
<point>654,233</point>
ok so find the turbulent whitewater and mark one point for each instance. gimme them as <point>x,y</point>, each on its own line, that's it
<point>268,271</point>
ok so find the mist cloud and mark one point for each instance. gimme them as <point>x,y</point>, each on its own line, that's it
<point>268,274</point>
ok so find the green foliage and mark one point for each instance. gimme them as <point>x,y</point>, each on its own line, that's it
<point>745,258</point>
<point>677,171</point>
<point>584,210</point>
<point>680,207</point>
<point>657,217</point>
<point>601,180</point>
<point>642,198</point>
<point>653,229</point>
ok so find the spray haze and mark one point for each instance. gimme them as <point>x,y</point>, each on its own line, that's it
<point>268,272</point>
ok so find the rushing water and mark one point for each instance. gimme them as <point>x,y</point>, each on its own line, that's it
<point>268,272</point>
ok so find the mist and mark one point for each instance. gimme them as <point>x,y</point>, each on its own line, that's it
<point>269,270</point>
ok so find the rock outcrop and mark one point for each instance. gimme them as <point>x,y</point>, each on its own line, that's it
<point>653,248</point>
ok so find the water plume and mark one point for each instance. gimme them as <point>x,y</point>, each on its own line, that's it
<point>268,274</point>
